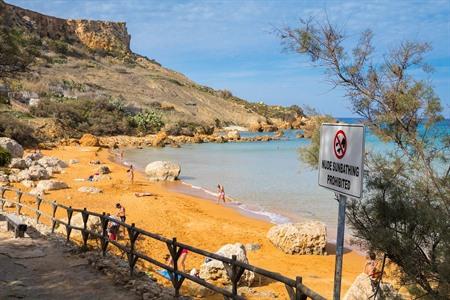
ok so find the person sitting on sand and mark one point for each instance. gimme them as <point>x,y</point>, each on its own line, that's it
<point>93,177</point>
<point>130,172</point>
<point>221,193</point>
<point>121,212</point>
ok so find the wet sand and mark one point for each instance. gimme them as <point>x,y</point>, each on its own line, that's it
<point>192,220</point>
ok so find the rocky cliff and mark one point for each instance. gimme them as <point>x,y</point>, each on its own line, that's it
<point>70,64</point>
<point>98,35</point>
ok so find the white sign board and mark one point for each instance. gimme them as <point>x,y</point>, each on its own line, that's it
<point>341,158</point>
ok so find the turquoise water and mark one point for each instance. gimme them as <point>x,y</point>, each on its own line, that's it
<point>264,178</point>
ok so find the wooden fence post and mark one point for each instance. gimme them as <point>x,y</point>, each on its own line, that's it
<point>84,233</point>
<point>298,291</point>
<point>132,258</point>
<point>175,253</point>
<point>18,197</point>
<point>54,207</point>
<point>68,226</point>
<point>105,239</point>
<point>38,206</point>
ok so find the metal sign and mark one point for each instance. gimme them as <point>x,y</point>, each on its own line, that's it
<point>341,158</point>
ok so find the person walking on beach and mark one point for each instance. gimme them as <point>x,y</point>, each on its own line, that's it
<point>221,193</point>
<point>130,172</point>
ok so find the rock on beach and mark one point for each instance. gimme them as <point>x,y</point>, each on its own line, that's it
<point>214,270</point>
<point>162,171</point>
<point>11,146</point>
<point>51,185</point>
<point>300,238</point>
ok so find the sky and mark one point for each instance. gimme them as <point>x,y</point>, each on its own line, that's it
<point>231,44</point>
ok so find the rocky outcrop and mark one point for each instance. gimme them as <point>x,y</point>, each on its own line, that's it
<point>97,35</point>
<point>11,146</point>
<point>214,270</point>
<point>89,140</point>
<point>51,185</point>
<point>362,288</point>
<point>89,190</point>
<point>234,135</point>
<point>300,238</point>
<point>162,171</point>
<point>160,139</point>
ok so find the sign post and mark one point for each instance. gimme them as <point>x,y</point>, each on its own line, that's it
<point>341,168</point>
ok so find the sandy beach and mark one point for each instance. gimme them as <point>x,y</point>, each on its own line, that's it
<point>194,221</point>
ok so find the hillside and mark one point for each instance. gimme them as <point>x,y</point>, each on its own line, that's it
<point>49,65</point>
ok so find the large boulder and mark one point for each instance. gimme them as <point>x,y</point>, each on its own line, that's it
<point>11,146</point>
<point>89,140</point>
<point>51,185</point>
<point>93,223</point>
<point>361,288</point>
<point>214,270</point>
<point>36,172</point>
<point>18,163</point>
<point>233,135</point>
<point>162,171</point>
<point>308,237</point>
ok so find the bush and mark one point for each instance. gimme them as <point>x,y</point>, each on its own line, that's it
<point>12,127</point>
<point>98,117</point>
<point>147,121</point>
<point>5,157</point>
<point>58,46</point>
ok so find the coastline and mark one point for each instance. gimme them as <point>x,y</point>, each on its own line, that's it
<point>192,220</point>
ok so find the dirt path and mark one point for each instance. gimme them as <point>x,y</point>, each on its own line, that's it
<point>36,268</point>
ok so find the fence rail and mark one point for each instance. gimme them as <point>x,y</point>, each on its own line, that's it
<point>234,268</point>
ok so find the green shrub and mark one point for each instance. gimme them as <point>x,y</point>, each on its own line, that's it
<point>148,121</point>
<point>58,46</point>
<point>5,157</point>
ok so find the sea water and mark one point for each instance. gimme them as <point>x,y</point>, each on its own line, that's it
<point>266,179</point>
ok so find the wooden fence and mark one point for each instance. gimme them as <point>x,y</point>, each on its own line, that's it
<point>234,268</point>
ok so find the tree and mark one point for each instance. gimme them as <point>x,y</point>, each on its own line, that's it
<point>405,212</point>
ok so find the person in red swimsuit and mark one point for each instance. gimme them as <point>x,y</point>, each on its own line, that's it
<point>181,260</point>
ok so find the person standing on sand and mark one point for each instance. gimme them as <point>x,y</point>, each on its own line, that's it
<point>130,172</point>
<point>121,155</point>
<point>221,193</point>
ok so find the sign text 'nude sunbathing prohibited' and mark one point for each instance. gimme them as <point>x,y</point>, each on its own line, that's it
<point>341,158</point>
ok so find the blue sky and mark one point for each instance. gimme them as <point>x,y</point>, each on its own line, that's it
<point>230,44</point>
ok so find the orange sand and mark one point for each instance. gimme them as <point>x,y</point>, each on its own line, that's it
<point>197,222</point>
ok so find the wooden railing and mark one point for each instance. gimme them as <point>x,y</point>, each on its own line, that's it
<point>234,268</point>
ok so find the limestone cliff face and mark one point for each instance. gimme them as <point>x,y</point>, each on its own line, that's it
<point>99,35</point>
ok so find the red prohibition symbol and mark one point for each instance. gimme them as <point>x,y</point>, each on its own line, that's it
<point>340,144</point>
